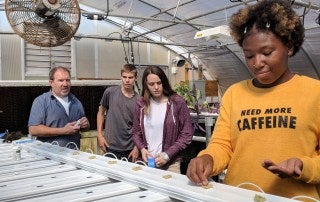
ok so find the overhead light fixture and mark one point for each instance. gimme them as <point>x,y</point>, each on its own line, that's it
<point>96,16</point>
<point>214,33</point>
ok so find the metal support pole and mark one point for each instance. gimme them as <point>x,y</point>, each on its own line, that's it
<point>209,121</point>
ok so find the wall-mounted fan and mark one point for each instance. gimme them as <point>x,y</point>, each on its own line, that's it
<point>45,23</point>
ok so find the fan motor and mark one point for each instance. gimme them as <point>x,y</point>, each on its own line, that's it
<point>46,8</point>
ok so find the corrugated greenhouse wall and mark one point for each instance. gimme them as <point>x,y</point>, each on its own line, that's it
<point>10,57</point>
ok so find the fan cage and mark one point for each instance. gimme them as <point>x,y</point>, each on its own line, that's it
<point>43,31</point>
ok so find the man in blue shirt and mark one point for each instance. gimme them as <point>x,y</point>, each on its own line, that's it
<point>58,115</point>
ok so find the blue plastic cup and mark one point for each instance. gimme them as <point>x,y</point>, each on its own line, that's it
<point>151,162</point>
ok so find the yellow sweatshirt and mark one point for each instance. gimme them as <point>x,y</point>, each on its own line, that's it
<point>275,123</point>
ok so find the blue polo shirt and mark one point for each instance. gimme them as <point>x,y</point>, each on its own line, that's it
<point>47,110</point>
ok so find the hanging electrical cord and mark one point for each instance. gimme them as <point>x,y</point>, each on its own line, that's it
<point>124,24</point>
<point>303,15</point>
<point>139,65</point>
<point>130,41</point>
<point>305,11</point>
<point>131,51</point>
<point>138,52</point>
<point>124,48</point>
<point>108,10</point>
<point>132,60</point>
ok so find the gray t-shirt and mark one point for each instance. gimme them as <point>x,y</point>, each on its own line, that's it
<point>119,118</point>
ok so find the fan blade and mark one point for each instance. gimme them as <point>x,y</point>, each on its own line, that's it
<point>58,27</point>
<point>52,32</point>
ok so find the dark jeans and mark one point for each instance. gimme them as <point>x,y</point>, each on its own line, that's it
<point>118,154</point>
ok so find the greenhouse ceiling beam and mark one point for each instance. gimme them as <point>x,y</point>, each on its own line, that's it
<point>300,3</point>
<point>244,65</point>
<point>203,47</point>
<point>307,5</point>
<point>85,13</point>
<point>195,17</point>
<point>165,12</point>
<point>226,46</point>
<point>314,67</point>
<point>78,37</point>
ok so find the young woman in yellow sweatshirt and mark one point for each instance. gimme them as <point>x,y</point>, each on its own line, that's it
<point>268,129</point>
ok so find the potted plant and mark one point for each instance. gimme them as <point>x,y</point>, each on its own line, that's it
<point>192,96</point>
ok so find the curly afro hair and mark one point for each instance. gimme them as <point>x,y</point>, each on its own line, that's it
<point>275,16</point>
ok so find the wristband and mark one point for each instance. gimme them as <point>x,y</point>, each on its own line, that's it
<point>165,156</point>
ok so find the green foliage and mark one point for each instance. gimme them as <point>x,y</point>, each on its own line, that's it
<point>190,95</point>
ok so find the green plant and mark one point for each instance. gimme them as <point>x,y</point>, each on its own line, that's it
<point>190,95</point>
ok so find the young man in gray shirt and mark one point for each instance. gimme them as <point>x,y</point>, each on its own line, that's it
<point>116,111</point>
